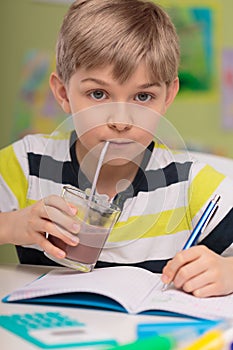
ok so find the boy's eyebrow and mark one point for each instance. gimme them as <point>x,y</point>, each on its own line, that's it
<point>98,81</point>
<point>148,85</point>
<point>102,82</point>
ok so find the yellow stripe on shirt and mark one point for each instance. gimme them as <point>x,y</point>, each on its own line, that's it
<point>17,181</point>
<point>151,225</point>
<point>202,188</point>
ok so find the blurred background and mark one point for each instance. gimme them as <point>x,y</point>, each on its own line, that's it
<point>202,112</point>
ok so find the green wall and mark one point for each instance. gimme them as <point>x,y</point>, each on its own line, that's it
<point>28,24</point>
<point>199,119</point>
<point>23,24</point>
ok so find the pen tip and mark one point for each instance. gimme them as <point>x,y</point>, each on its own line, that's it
<point>217,198</point>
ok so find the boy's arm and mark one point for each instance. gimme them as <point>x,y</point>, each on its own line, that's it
<point>51,215</point>
<point>5,228</point>
<point>26,225</point>
<point>200,270</point>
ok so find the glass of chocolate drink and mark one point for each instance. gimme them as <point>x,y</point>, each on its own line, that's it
<point>96,217</point>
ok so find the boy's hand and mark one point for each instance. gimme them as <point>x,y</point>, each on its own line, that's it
<point>50,215</point>
<point>200,271</point>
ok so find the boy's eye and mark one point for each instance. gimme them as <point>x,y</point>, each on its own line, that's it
<point>143,97</point>
<point>98,95</point>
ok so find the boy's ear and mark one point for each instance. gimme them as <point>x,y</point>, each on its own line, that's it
<point>59,91</point>
<point>172,91</point>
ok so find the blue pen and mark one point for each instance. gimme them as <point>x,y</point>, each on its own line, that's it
<point>203,222</point>
<point>201,225</point>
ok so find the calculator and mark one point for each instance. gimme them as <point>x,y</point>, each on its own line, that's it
<point>50,330</point>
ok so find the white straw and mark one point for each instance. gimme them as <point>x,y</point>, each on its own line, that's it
<point>99,165</point>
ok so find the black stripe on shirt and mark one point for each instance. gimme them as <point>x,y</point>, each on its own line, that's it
<point>46,167</point>
<point>221,237</point>
<point>151,180</point>
<point>36,257</point>
<point>155,266</point>
<point>171,174</point>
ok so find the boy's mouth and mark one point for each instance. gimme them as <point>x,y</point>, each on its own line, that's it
<point>119,143</point>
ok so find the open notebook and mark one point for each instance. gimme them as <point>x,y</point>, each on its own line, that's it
<point>128,289</point>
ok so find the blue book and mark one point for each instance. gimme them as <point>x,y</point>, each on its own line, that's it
<point>123,289</point>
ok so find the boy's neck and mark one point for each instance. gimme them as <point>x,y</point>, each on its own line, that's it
<point>112,179</point>
<point>115,179</point>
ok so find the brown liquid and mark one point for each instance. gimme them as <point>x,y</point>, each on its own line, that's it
<point>92,240</point>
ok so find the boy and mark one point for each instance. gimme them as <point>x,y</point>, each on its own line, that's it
<point>119,57</point>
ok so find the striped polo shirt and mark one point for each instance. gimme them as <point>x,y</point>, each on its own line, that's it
<point>159,208</point>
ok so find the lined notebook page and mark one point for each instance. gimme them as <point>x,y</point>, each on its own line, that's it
<point>136,289</point>
<point>186,304</point>
<point>127,285</point>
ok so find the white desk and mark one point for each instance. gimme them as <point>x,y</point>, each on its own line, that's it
<point>118,325</point>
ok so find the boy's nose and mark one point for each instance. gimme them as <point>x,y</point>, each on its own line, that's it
<point>120,117</point>
<point>119,126</point>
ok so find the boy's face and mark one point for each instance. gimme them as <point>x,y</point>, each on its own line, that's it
<point>126,114</point>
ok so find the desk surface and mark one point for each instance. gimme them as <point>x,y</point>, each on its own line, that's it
<point>120,326</point>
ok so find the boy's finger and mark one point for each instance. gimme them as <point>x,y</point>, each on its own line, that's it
<point>59,203</point>
<point>188,274</point>
<point>197,282</point>
<point>173,266</point>
<point>207,291</point>
<point>46,226</point>
<point>49,248</point>
<point>62,220</point>
<point>168,273</point>
<point>59,232</point>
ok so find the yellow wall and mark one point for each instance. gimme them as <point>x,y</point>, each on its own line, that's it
<point>27,24</point>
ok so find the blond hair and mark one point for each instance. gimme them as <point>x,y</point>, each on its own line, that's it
<point>120,33</point>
